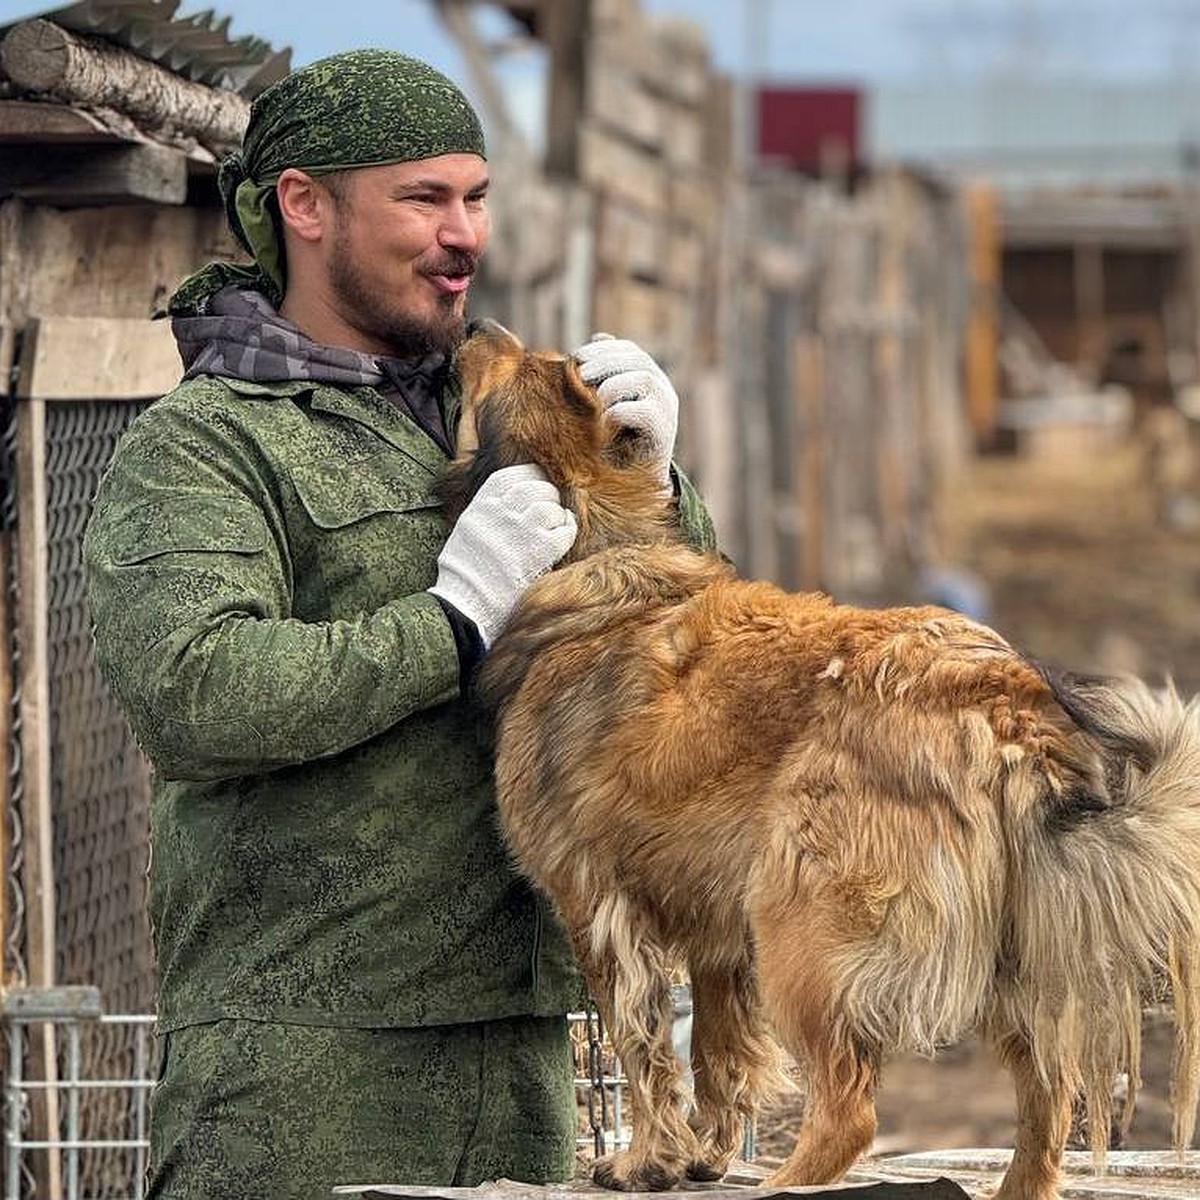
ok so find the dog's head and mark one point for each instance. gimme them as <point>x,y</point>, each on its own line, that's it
<point>522,406</point>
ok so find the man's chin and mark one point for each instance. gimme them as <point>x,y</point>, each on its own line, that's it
<point>441,334</point>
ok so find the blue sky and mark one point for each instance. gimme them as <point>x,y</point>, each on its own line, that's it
<point>855,41</point>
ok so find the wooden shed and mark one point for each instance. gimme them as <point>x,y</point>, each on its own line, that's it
<point>113,117</point>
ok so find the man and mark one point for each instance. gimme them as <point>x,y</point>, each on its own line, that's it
<point>354,985</point>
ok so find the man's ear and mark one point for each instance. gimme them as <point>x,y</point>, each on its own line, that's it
<point>305,206</point>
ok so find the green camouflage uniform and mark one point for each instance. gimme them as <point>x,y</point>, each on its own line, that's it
<point>354,984</point>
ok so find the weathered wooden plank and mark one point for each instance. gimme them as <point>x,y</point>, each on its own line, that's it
<point>564,25</point>
<point>694,198</point>
<point>630,240</point>
<point>616,99</point>
<point>97,358</point>
<point>504,1190</point>
<point>664,55</point>
<point>35,713</point>
<point>37,123</point>
<point>620,168</point>
<point>96,174</point>
<point>1130,1175</point>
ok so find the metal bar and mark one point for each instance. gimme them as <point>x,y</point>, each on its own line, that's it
<point>73,1112</point>
<point>12,1117</point>
<point>140,1064</point>
<point>98,1144</point>
<point>83,1085</point>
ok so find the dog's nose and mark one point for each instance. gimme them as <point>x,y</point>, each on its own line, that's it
<point>486,327</point>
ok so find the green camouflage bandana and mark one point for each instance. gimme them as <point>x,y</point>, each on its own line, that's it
<point>362,108</point>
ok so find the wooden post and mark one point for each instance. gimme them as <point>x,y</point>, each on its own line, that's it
<point>810,389</point>
<point>567,27</point>
<point>7,348</point>
<point>1091,348</point>
<point>983,333</point>
<point>36,816</point>
<point>891,297</point>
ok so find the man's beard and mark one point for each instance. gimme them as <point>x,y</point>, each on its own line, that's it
<point>406,335</point>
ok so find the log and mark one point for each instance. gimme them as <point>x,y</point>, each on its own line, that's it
<point>44,58</point>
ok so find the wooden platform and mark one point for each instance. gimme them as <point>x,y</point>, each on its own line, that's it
<point>940,1175</point>
<point>1131,1174</point>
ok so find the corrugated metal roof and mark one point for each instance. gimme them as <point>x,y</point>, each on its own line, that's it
<point>196,46</point>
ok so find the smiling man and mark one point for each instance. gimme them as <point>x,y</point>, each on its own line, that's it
<point>354,984</point>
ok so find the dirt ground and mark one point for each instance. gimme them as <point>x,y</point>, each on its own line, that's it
<point>1081,575</point>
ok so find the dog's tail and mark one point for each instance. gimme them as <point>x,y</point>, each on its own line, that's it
<point>1107,900</point>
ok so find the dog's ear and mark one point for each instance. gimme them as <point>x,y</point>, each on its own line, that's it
<point>480,362</point>
<point>484,451</point>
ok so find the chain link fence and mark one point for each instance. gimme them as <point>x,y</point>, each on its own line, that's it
<point>100,804</point>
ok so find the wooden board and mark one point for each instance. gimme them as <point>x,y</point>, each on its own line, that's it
<point>97,358</point>
<point>35,712</point>
<point>26,121</point>
<point>94,174</point>
<point>1131,1174</point>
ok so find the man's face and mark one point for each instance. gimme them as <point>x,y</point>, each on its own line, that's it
<point>406,240</point>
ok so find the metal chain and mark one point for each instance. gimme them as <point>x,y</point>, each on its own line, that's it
<point>14,968</point>
<point>597,1095</point>
<point>15,971</point>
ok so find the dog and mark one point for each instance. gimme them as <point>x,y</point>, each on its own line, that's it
<point>859,831</point>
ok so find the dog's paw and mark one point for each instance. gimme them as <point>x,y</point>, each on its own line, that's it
<point>622,1173</point>
<point>704,1172</point>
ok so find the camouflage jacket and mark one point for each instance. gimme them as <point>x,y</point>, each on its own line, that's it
<point>324,846</point>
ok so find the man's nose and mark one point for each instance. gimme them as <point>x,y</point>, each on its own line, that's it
<point>461,228</point>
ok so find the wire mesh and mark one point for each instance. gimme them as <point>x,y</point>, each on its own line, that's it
<point>100,787</point>
<point>99,799</point>
<point>102,1138</point>
<point>103,1132</point>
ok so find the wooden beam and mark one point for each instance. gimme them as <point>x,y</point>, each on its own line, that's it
<point>566,30</point>
<point>97,358</point>
<point>983,326</point>
<point>43,57</point>
<point>32,623</point>
<point>31,122</point>
<point>97,174</point>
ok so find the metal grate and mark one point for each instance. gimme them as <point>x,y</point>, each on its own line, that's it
<point>102,1139</point>
<point>101,1142</point>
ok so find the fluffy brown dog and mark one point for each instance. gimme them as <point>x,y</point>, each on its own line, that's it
<point>859,831</point>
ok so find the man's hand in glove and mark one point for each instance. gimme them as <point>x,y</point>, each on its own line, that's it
<point>638,394</point>
<point>513,530</point>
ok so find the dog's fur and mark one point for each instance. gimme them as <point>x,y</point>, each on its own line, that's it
<point>860,831</point>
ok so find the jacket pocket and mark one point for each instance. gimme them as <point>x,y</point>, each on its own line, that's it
<point>186,524</point>
<point>335,492</point>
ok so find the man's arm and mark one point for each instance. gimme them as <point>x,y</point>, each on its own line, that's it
<point>693,516</point>
<point>190,586</point>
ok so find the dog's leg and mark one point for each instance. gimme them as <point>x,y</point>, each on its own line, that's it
<point>1043,1121</point>
<point>627,975</point>
<point>801,1000</point>
<point>733,1060</point>
<point>839,1115</point>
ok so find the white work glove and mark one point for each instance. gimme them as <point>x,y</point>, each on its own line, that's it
<point>637,393</point>
<point>514,529</point>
